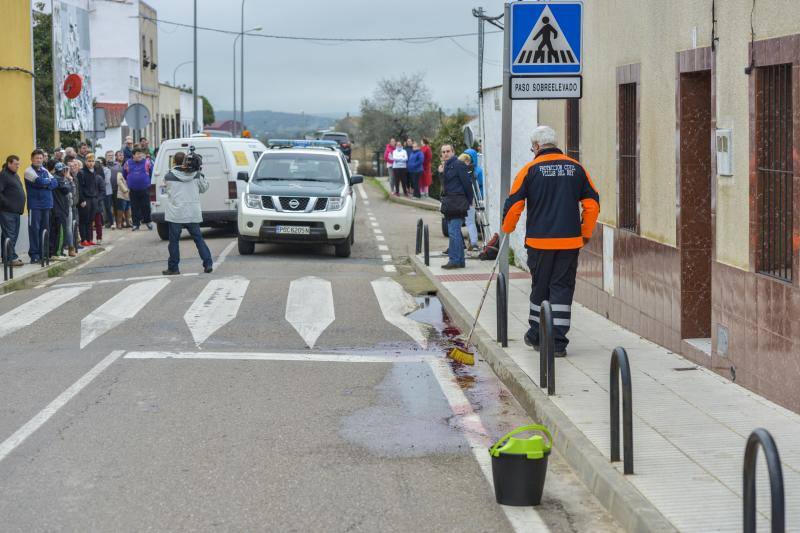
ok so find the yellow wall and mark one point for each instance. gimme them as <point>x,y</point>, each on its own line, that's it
<point>651,32</point>
<point>16,88</point>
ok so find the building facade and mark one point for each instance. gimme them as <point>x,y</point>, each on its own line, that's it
<point>17,136</point>
<point>690,127</point>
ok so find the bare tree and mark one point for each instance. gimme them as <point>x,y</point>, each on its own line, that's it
<point>400,107</point>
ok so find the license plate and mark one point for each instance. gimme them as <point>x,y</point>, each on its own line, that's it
<point>293,230</point>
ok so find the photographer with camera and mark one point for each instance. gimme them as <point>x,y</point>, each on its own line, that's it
<point>184,184</point>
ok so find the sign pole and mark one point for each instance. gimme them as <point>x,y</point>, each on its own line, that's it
<point>505,139</point>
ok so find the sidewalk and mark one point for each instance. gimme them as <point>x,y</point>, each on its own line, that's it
<point>690,425</point>
<point>424,203</point>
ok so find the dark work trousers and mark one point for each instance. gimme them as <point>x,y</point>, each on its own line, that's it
<point>175,229</point>
<point>400,180</point>
<point>553,273</point>
<point>140,206</point>
<point>415,177</point>
<point>58,224</point>
<point>86,218</point>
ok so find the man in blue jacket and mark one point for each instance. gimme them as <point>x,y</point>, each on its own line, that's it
<point>12,205</point>
<point>456,198</point>
<point>415,163</point>
<point>137,171</point>
<point>39,185</point>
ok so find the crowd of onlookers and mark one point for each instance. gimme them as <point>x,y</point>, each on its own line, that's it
<point>73,186</point>
<point>409,167</point>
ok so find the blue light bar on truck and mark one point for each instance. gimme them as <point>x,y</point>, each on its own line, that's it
<point>301,143</point>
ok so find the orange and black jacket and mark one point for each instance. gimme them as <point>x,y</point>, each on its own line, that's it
<point>552,185</point>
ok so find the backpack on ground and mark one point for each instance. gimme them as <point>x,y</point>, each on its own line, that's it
<point>492,248</point>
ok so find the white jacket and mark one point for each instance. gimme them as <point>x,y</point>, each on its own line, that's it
<point>183,196</point>
<point>399,158</point>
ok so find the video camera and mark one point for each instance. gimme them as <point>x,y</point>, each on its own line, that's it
<point>193,161</point>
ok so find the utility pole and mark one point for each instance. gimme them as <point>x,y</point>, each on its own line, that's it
<point>195,114</point>
<point>241,75</point>
<point>505,137</point>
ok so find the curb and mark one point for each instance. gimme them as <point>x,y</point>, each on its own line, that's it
<point>56,269</point>
<point>622,500</point>
<point>407,201</point>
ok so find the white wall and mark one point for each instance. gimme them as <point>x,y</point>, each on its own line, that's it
<point>114,49</point>
<point>525,119</point>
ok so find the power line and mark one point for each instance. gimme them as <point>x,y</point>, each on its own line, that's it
<point>410,40</point>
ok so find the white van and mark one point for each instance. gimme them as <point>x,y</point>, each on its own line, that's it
<point>223,159</point>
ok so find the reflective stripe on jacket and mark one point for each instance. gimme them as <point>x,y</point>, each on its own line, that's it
<point>552,186</point>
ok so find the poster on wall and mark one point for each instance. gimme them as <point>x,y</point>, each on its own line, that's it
<point>71,58</point>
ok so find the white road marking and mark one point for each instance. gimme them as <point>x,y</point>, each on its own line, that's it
<point>216,305</point>
<point>8,445</point>
<point>386,257</point>
<point>366,202</point>
<point>389,268</point>
<point>31,311</point>
<point>372,218</point>
<point>395,304</point>
<point>362,192</point>
<point>121,307</point>
<point>521,518</point>
<point>309,307</point>
<point>380,238</point>
<point>377,231</point>
<point>224,255</point>
<point>256,356</point>
<point>375,225</point>
<point>383,248</point>
<point>120,280</point>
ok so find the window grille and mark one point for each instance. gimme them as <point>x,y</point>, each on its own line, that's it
<point>628,157</point>
<point>775,170</point>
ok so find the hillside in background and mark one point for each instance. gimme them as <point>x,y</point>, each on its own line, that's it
<point>278,124</point>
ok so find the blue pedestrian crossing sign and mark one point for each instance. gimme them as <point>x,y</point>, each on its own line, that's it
<point>546,38</point>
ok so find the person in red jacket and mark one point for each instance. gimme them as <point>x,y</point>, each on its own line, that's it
<point>427,176</point>
<point>387,158</point>
<point>554,187</point>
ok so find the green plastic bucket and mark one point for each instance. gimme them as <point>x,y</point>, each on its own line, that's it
<point>519,466</point>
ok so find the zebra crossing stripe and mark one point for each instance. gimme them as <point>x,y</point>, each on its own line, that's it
<point>123,306</point>
<point>395,304</point>
<point>309,307</point>
<point>216,305</point>
<point>29,312</point>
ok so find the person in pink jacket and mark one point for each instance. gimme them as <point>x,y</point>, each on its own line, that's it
<point>387,157</point>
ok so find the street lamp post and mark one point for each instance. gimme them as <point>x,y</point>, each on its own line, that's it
<point>233,128</point>
<point>241,73</point>
<point>195,125</point>
<point>174,72</point>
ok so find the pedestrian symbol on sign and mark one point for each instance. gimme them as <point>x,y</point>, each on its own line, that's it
<point>546,44</point>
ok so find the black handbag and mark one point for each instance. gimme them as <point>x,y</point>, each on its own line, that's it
<point>454,205</point>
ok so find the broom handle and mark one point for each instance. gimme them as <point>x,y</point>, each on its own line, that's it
<point>486,291</point>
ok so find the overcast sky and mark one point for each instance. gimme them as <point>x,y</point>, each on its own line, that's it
<point>326,78</point>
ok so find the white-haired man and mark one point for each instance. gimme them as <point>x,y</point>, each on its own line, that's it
<point>554,187</point>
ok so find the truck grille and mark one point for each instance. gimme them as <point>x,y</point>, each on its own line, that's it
<point>321,205</point>
<point>293,203</point>
<point>266,201</point>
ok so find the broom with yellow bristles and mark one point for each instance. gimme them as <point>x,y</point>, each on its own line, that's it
<point>462,355</point>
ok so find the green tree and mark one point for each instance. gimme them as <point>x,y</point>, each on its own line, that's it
<point>451,131</point>
<point>400,107</point>
<point>43,71</point>
<point>208,112</point>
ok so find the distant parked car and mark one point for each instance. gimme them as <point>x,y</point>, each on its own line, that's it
<point>342,138</point>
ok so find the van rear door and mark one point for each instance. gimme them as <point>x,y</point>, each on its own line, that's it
<point>215,169</point>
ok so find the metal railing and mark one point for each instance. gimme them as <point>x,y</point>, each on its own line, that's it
<point>761,437</point>
<point>418,248</point>
<point>547,349</point>
<point>426,245</point>
<point>44,248</point>
<point>8,262</point>
<point>502,310</point>
<point>620,367</point>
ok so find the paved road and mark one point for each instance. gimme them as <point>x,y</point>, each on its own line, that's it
<point>287,391</point>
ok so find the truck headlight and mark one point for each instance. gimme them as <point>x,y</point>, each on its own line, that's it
<point>335,204</point>
<point>253,201</point>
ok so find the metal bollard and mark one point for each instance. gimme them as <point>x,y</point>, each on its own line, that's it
<point>426,244</point>
<point>762,437</point>
<point>620,367</point>
<point>44,248</point>
<point>418,249</point>
<point>502,310</point>
<point>75,229</point>
<point>547,349</point>
<point>8,268</point>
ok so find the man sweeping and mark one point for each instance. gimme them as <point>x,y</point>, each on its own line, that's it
<point>554,187</point>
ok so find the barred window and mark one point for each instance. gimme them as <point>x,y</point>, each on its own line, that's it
<point>628,156</point>
<point>573,129</point>
<point>775,170</point>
